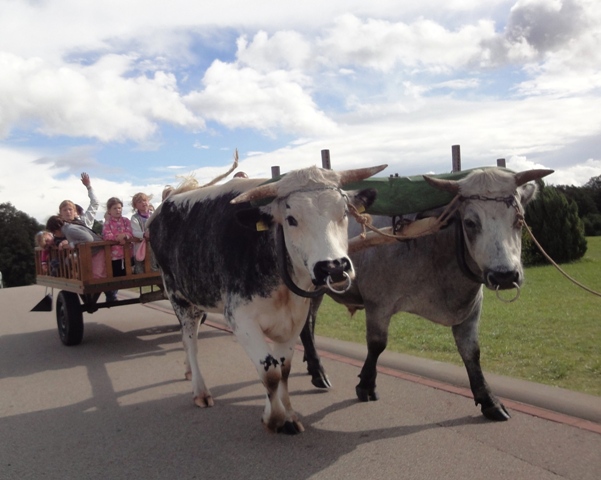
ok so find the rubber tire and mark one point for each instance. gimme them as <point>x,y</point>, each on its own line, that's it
<point>69,318</point>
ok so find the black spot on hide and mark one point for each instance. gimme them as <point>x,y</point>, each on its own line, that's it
<point>204,251</point>
<point>269,362</point>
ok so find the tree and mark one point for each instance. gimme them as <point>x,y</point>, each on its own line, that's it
<point>17,232</point>
<point>555,223</point>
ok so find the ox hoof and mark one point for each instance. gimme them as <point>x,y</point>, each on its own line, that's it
<point>291,428</point>
<point>366,394</point>
<point>321,380</point>
<point>497,413</point>
<point>203,402</point>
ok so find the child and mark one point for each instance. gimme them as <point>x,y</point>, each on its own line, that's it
<point>44,240</point>
<point>74,234</point>
<point>68,210</point>
<point>118,228</point>
<point>141,204</point>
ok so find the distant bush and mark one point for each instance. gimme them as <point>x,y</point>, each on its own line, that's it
<point>592,224</point>
<point>17,231</point>
<point>555,223</point>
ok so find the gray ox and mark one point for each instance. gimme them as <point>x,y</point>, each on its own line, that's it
<point>440,276</point>
<point>211,262</point>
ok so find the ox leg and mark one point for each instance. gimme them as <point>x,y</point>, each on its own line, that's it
<point>285,352</point>
<point>466,339</point>
<point>319,378</point>
<point>273,369</point>
<point>190,317</point>
<point>377,339</point>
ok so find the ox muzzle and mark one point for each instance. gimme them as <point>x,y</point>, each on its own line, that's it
<point>496,280</point>
<point>331,272</point>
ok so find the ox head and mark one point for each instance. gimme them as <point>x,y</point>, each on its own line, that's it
<point>311,208</point>
<point>491,215</point>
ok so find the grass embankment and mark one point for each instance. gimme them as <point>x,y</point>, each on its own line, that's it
<point>551,335</point>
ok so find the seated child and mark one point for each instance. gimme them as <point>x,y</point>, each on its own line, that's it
<point>74,234</point>
<point>44,240</point>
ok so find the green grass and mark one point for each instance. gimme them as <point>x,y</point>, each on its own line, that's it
<point>551,335</point>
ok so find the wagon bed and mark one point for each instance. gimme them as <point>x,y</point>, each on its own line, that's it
<point>70,271</point>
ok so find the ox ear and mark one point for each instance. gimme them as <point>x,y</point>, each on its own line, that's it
<point>254,219</point>
<point>363,199</point>
<point>528,193</point>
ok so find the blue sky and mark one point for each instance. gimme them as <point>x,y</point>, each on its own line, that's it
<point>137,94</point>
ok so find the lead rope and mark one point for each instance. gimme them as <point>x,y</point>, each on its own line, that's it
<point>573,280</point>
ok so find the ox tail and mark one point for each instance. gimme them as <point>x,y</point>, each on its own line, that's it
<point>190,183</point>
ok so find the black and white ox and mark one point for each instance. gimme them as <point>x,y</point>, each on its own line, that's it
<point>211,262</point>
<point>440,276</point>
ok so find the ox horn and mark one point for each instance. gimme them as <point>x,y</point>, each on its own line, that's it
<point>524,177</point>
<point>257,193</point>
<point>358,174</point>
<point>446,185</point>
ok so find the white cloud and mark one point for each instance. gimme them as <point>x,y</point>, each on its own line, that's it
<point>241,97</point>
<point>284,50</point>
<point>383,45</point>
<point>97,101</point>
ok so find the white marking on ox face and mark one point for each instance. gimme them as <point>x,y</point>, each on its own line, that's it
<point>315,229</point>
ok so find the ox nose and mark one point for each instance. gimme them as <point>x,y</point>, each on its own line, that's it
<point>331,268</point>
<point>502,280</point>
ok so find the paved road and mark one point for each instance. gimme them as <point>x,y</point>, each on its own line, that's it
<point>117,407</point>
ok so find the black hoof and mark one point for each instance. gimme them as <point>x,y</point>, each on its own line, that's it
<point>366,394</point>
<point>496,413</point>
<point>289,428</point>
<point>321,380</point>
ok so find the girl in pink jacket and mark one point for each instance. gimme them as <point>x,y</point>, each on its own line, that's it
<point>117,227</point>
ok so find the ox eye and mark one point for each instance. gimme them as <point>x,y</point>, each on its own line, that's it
<point>292,221</point>
<point>470,224</point>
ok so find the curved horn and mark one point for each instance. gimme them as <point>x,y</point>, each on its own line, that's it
<point>524,177</point>
<point>257,193</point>
<point>351,176</point>
<point>446,185</point>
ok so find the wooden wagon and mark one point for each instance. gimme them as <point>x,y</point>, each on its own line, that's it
<point>70,271</point>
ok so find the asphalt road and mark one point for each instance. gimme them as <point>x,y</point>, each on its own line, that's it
<point>117,407</point>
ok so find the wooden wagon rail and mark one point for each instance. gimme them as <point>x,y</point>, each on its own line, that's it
<point>71,269</point>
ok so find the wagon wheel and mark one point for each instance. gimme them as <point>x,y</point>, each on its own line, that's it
<point>69,318</point>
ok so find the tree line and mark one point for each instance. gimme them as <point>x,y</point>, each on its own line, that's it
<point>560,218</point>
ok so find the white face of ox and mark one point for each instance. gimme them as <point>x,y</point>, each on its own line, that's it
<point>315,230</point>
<point>493,231</point>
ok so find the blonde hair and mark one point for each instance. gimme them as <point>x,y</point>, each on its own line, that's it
<point>39,238</point>
<point>139,196</point>
<point>66,203</point>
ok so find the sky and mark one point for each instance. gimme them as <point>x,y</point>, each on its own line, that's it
<point>138,94</point>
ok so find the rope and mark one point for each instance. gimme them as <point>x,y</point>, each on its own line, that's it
<point>365,221</point>
<point>574,281</point>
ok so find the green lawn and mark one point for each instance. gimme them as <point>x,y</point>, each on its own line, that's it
<point>551,335</point>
